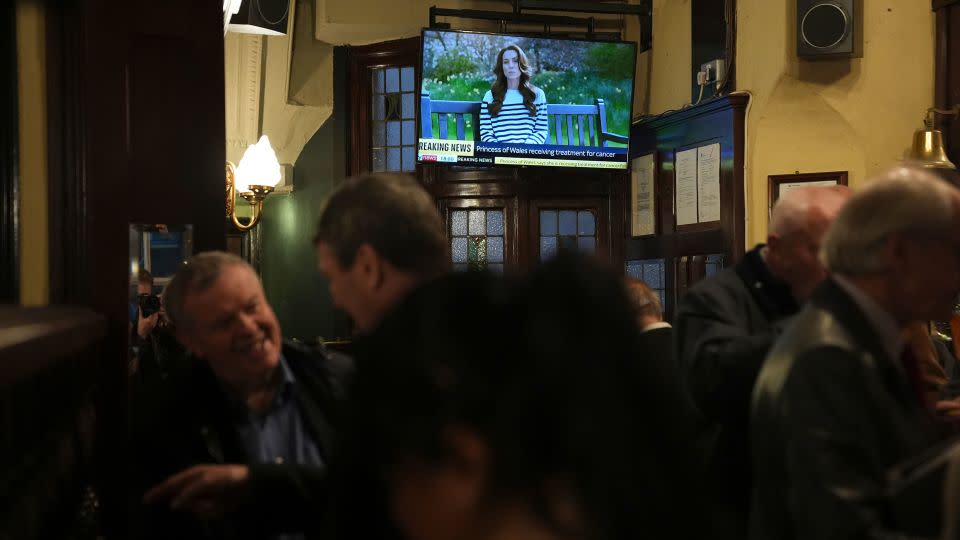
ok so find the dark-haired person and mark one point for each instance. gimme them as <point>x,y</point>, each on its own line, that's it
<point>513,110</point>
<point>513,416</point>
<point>379,237</point>
<point>238,448</point>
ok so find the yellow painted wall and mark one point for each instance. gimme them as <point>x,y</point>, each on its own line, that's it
<point>856,115</point>
<point>34,265</point>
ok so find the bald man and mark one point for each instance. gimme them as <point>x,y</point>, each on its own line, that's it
<point>725,325</point>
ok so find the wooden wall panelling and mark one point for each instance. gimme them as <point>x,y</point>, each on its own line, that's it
<point>9,152</point>
<point>136,136</point>
<point>720,120</point>
<point>947,85</point>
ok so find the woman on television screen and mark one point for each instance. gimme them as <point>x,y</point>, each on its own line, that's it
<point>513,110</point>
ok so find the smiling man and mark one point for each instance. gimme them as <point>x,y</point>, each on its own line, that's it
<point>250,427</point>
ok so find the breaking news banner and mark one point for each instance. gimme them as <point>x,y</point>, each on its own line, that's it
<point>480,153</point>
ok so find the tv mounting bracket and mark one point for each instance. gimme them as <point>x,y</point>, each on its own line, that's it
<point>643,10</point>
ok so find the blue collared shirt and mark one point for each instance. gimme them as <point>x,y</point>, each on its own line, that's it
<point>280,435</point>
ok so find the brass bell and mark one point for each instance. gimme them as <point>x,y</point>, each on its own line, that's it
<point>928,150</point>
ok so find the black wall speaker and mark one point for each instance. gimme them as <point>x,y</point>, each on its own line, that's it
<point>267,17</point>
<point>828,28</point>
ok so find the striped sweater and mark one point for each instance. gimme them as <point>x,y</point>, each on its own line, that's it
<point>514,123</point>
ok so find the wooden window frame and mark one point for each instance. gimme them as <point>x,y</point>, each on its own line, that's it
<point>399,52</point>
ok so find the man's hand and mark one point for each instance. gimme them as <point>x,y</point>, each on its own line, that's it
<point>949,407</point>
<point>145,325</point>
<point>207,491</point>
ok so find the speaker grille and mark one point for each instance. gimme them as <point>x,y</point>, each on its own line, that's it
<point>824,25</point>
<point>272,11</point>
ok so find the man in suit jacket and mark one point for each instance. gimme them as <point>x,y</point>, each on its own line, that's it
<point>237,447</point>
<point>839,400</point>
<point>726,324</point>
<point>656,344</point>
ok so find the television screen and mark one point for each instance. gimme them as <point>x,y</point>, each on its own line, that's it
<point>494,99</point>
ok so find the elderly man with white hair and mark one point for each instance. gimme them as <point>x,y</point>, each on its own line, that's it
<point>726,324</point>
<point>838,401</point>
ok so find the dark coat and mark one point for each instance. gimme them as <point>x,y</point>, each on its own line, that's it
<point>831,414</point>
<point>175,430</point>
<point>725,325</point>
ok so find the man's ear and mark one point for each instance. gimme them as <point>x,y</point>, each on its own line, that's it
<point>370,266</point>
<point>773,241</point>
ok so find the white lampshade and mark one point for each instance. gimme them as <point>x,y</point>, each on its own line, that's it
<point>258,167</point>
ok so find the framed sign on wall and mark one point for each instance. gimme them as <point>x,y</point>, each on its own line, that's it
<point>643,195</point>
<point>778,184</point>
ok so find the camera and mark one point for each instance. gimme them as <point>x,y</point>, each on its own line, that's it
<point>149,304</point>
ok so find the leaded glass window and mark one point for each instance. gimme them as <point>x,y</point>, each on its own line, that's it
<point>713,264</point>
<point>651,272</point>
<point>477,239</point>
<point>567,230</point>
<point>393,124</point>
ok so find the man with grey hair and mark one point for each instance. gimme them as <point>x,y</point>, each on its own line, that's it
<point>379,236</point>
<point>239,446</point>
<point>839,401</point>
<point>726,324</point>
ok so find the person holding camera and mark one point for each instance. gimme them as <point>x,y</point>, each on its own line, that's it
<point>157,354</point>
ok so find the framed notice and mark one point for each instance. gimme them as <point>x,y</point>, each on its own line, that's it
<point>643,196</point>
<point>778,184</point>
<point>708,183</point>
<point>685,173</point>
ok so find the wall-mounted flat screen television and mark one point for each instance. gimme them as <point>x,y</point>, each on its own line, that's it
<point>495,99</point>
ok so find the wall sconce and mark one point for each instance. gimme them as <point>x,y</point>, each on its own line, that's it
<point>928,149</point>
<point>254,178</point>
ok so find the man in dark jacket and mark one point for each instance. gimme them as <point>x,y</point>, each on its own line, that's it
<point>839,400</point>
<point>238,447</point>
<point>726,324</point>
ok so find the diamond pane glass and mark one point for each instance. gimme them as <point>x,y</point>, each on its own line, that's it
<point>409,132</point>
<point>393,133</point>
<point>393,80</point>
<point>379,159</point>
<point>568,222</point>
<point>548,222</point>
<point>379,134</point>
<point>408,79</point>
<point>495,222</point>
<point>495,249</point>
<point>377,81</point>
<point>477,219</point>
<point>587,244</point>
<point>409,159</point>
<point>548,247</point>
<point>635,269</point>
<point>408,106</point>
<point>393,159</point>
<point>458,222</point>
<point>458,249</point>
<point>586,224</point>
